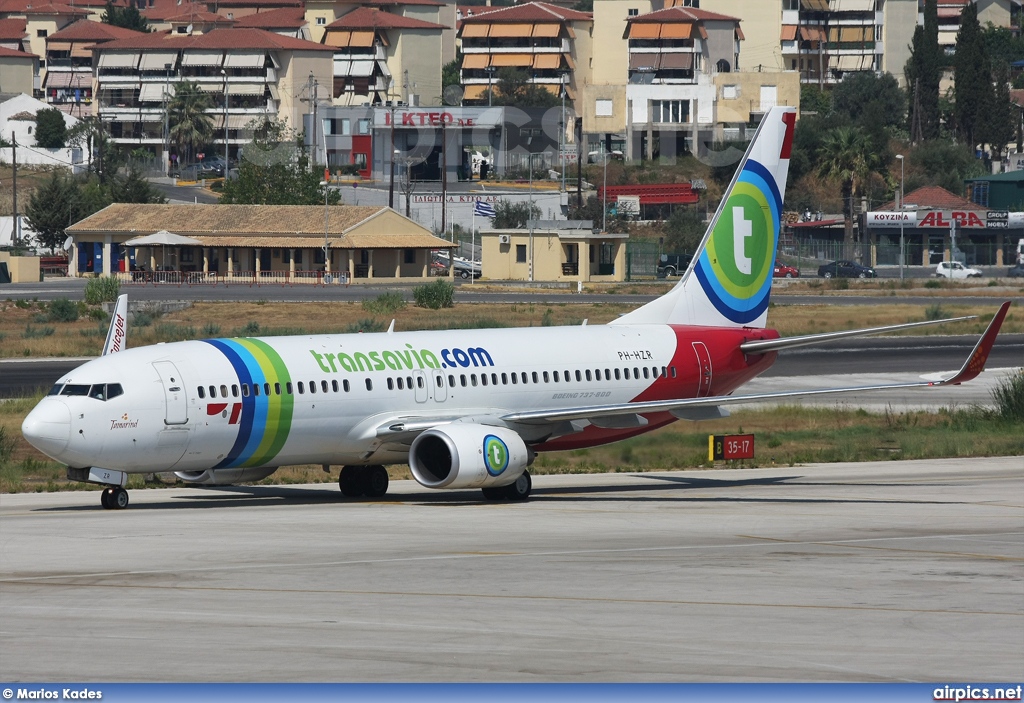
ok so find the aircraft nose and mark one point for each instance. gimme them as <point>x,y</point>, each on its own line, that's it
<point>48,427</point>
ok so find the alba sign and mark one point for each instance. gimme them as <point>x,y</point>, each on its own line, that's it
<point>944,219</point>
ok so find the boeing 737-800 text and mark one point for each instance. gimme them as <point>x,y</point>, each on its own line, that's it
<point>463,408</point>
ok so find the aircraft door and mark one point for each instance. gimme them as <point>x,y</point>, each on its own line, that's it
<point>440,385</point>
<point>703,369</point>
<point>420,381</point>
<point>175,400</point>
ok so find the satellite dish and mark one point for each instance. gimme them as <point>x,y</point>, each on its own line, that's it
<point>68,244</point>
<point>452,95</point>
<point>188,30</point>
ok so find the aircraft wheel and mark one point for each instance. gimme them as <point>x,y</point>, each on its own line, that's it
<point>118,498</point>
<point>520,488</point>
<point>494,493</point>
<point>376,480</point>
<point>352,481</point>
<point>105,498</point>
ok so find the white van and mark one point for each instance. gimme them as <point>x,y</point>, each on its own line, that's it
<point>954,269</point>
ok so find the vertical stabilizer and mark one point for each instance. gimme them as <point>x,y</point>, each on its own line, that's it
<point>730,278</point>
<point>118,330</point>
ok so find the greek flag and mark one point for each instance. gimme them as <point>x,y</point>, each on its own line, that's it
<point>484,209</point>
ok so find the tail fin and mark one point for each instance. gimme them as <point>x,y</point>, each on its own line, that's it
<point>730,278</point>
<point>118,329</point>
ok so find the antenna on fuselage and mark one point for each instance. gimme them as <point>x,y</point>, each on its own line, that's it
<point>118,331</point>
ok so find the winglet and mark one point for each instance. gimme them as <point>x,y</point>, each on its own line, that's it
<point>118,327</point>
<point>975,364</point>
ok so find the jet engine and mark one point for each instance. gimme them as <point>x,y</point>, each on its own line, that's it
<point>468,456</point>
<point>224,477</point>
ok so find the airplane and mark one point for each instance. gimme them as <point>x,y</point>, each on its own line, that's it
<point>464,409</point>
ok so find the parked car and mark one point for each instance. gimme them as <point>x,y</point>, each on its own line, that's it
<point>673,264</point>
<point>845,269</point>
<point>785,271</point>
<point>464,269</point>
<point>1016,271</point>
<point>956,270</point>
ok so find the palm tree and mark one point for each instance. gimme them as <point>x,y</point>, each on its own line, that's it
<point>846,154</point>
<point>191,126</point>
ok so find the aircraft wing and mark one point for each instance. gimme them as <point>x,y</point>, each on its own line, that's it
<point>974,365</point>
<point>764,345</point>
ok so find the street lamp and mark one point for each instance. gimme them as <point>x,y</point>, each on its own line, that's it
<point>604,195</point>
<point>225,74</point>
<point>900,157</point>
<point>167,127</point>
<point>529,217</point>
<point>490,80</point>
<point>327,245</point>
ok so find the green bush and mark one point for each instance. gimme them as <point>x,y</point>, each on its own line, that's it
<point>1009,397</point>
<point>62,310</point>
<point>436,295</point>
<point>933,283</point>
<point>934,312</point>
<point>102,290</point>
<point>367,325</point>
<point>6,445</point>
<point>211,330</point>
<point>35,332</point>
<point>249,329</point>
<point>385,304</point>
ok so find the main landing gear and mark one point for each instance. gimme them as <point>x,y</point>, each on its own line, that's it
<point>369,481</point>
<point>114,498</point>
<point>517,490</point>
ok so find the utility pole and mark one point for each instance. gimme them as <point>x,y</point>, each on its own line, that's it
<point>579,161</point>
<point>312,100</point>
<point>444,182</point>
<point>17,221</point>
<point>391,183</point>
<point>167,128</point>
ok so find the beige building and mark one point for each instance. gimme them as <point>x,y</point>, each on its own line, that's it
<point>555,250</point>
<point>41,20</point>
<point>69,72</point>
<point>380,56</point>
<point>249,73</point>
<point>746,95</point>
<point>18,71</point>
<point>551,44</point>
<point>254,242</point>
<point>21,269</point>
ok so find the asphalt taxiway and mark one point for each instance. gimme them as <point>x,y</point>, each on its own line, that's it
<point>894,571</point>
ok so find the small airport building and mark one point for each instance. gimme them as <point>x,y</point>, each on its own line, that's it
<point>252,243</point>
<point>553,250</point>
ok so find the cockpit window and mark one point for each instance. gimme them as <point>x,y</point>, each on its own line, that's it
<point>56,389</point>
<point>114,390</point>
<point>98,391</point>
<point>75,389</point>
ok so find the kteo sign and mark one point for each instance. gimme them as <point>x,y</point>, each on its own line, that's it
<point>414,118</point>
<point>944,219</point>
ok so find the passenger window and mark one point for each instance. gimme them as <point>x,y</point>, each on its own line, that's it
<point>555,376</point>
<point>234,390</point>
<point>472,379</point>
<point>202,393</point>
<point>419,382</point>
<point>451,381</point>
<point>462,379</point>
<point>515,379</point>
<point>277,388</point>
<point>312,386</point>
<point>245,390</point>
<point>579,376</point>
<point>344,385</point>
<point>535,377</point>
<point>98,391</point>
<point>223,391</point>
<point>645,373</point>
<point>504,379</point>
<point>114,390</point>
<point>369,384</point>
<point>439,381</point>
<point>607,374</point>
<point>588,374</point>
<point>483,379</point>
<point>323,386</point>
<point>568,376</point>
<point>494,379</point>
<point>654,372</point>
<point>546,380</point>
<point>391,384</point>
<point>525,378</point>
<point>302,388</point>
<point>617,375</point>
<point>213,391</point>
<point>401,384</point>
<point>266,389</point>
<point>664,372</point>
<point>408,382</point>
<point>256,389</point>
<point>673,370</point>
<point>636,372</point>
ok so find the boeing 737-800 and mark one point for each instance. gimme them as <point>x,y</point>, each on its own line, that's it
<point>465,409</point>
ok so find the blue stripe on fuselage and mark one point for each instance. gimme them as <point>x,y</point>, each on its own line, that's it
<point>245,422</point>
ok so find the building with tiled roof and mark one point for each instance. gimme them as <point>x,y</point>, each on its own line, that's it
<point>41,20</point>
<point>372,46</point>
<point>551,44</point>
<point>68,81</point>
<point>249,74</point>
<point>288,21</point>
<point>13,34</point>
<point>186,18</point>
<point>18,70</point>
<point>247,241</point>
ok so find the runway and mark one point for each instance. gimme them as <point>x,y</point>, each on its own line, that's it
<point>895,571</point>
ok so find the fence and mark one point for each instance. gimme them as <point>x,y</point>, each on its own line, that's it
<point>240,278</point>
<point>641,260</point>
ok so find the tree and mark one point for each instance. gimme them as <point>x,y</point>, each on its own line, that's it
<point>52,208</point>
<point>133,188</point>
<point>923,71</point>
<point>999,123</point>
<point>684,230</point>
<point>846,155</point>
<point>814,99</point>
<point>972,91</point>
<point>513,88</point>
<point>514,215</point>
<point>191,126</point>
<point>451,72</point>
<point>128,17</point>
<point>862,93</point>
<point>275,172</point>
<point>51,132</point>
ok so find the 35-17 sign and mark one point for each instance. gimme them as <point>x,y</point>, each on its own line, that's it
<point>725,447</point>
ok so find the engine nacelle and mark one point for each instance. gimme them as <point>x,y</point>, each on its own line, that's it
<point>224,477</point>
<point>468,456</point>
